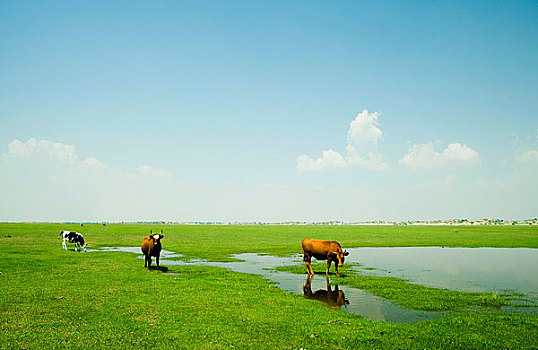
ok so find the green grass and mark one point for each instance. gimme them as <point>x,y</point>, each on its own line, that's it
<point>50,298</point>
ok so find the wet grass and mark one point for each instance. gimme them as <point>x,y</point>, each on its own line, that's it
<point>51,298</point>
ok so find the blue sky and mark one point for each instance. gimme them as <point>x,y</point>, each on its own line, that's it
<point>270,111</point>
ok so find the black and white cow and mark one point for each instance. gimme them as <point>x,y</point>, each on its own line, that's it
<point>72,237</point>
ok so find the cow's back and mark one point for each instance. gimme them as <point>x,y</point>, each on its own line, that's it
<point>334,246</point>
<point>147,245</point>
<point>316,248</point>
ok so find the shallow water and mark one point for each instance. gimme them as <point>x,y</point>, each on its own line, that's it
<point>477,270</point>
<point>498,270</point>
<point>348,299</point>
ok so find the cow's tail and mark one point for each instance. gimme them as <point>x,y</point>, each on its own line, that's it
<point>305,258</point>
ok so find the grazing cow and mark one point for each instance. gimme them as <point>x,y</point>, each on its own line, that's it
<point>334,298</point>
<point>151,246</point>
<point>323,250</point>
<point>73,237</point>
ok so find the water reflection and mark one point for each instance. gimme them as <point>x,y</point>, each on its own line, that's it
<point>333,298</point>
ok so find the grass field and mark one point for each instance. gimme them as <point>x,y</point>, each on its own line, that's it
<point>50,298</point>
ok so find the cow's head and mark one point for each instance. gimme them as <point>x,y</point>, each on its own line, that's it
<point>83,244</point>
<point>156,237</point>
<point>340,256</point>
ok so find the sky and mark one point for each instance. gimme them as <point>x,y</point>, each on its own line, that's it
<point>268,111</point>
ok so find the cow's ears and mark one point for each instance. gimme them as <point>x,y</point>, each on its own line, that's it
<point>150,232</point>
<point>346,253</point>
<point>161,236</point>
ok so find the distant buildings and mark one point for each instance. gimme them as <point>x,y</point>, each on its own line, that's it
<point>450,222</point>
<point>465,222</point>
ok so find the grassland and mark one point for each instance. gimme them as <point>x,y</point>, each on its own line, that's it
<point>51,298</point>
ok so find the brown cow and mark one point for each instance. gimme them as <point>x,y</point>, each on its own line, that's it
<point>323,250</point>
<point>151,246</point>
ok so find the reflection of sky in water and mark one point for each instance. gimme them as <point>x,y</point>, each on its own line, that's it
<point>465,269</point>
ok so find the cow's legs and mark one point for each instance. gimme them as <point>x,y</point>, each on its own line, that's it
<point>157,260</point>
<point>147,261</point>
<point>309,268</point>
<point>64,246</point>
<point>336,268</point>
<point>329,262</point>
<point>306,259</point>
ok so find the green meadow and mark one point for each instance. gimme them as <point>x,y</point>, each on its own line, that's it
<point>51,298</point>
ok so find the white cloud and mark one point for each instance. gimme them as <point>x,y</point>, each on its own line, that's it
<point>93,163</point>
<point>19,149</point>
<point>528,157</point>
<point>424,156</point>
<point>60,186</point>
<point>364,132</point>
<point>329,160</point>
<point>372,160</point>
<point>67,154</point>
<point>150,171</point>
<point>456,152</point>
<point>363,137</point>
<point>60,151</point>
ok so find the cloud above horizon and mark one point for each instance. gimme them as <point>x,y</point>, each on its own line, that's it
<point>363,138</point>
<point>67,154</point>
<point>56,150</point>
<point>424,156</point>
<point>528,157</point>
<point>48,180</point>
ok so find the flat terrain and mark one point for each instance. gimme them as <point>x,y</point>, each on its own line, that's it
<point>50,298</point>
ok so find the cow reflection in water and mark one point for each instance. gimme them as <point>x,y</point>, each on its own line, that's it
<point>334,298</point>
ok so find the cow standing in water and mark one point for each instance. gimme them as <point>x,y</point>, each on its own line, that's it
<point>323,250</point>
<point>151,246</point>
